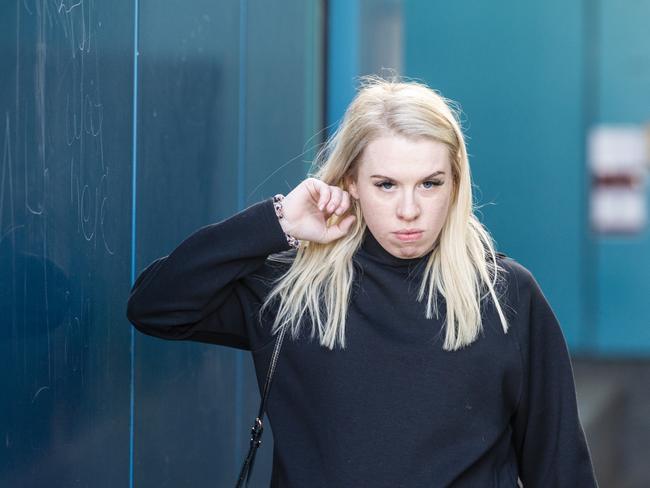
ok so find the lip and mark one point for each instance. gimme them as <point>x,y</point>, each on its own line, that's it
<point>409,235</point>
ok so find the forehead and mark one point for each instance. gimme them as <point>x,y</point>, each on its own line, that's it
<point>395,155</point>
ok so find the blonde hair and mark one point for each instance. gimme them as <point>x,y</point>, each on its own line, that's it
<point>462,266</point>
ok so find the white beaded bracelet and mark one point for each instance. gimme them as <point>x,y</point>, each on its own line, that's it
<point>279,212</point>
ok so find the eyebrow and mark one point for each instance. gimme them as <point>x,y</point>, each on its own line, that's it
<point>393,179</point>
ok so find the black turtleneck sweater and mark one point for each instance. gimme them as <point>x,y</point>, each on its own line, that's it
<point>392,409</point>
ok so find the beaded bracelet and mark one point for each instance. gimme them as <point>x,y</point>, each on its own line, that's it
<point>279,212</point>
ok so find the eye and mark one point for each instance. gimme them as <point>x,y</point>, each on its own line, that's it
<point>434,182</point>
<point>428,182</point>
<point>381,185</point>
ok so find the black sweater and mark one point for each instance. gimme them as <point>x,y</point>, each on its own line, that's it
<point>392,409</point>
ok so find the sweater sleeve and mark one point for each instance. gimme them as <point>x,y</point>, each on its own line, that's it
<point>202,291</point>
<point>548,436</point>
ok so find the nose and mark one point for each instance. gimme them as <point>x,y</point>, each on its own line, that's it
<point>408,208</point>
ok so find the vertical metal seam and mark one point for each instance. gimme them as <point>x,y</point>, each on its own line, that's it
<point>325,66</point>
<point>241,161</point>
<point>133,230</point>
<point>343,58</point>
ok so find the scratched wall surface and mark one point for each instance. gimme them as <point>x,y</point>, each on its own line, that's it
<point>65,84</point>
<point>227,99</point>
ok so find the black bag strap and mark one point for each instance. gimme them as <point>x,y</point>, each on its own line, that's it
<point>256,430</point>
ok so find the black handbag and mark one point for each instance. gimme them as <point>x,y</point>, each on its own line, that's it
<point>256,430</point>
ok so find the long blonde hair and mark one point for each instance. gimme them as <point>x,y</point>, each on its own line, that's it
<point>462,266</point>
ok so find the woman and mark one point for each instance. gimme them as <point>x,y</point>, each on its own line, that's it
<point>418,355</point>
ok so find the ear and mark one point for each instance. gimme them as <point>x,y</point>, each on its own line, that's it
<point>351,185</point>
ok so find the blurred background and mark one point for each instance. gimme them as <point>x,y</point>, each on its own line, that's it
<point>126,125</point>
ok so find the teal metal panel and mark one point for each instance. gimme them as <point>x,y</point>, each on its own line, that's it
<point>188,397</point>
<point>516,68</point>
<point>342,63</point>
<point>623,96</point>
<point>65,224</point>
<point>228,101</point>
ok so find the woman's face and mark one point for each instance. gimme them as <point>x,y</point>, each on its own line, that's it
<point>404,184</point>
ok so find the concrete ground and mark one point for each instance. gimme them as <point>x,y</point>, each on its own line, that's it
<point>614,403</point>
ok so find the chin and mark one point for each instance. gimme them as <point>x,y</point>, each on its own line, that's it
<point>413,255</point>
<point>409,250</point>
<point>413,249</point>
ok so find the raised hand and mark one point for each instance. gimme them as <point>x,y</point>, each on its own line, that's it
<point>308,207</point>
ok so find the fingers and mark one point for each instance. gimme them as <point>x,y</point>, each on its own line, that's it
<point>324,193</point>
<point>339,202</point>
<point>345,203</point>
<point>331,199</point>
<point>339,229</point>
<point>336,195</point>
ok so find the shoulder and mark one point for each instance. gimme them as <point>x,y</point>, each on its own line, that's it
<point>517,278</point>
<point>513,267</point>
<point>527,302</point>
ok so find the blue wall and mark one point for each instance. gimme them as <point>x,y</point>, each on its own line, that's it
<point>517,71</point>
<point>531,79</point>
<point>126,126</point>
<point>622,95</point>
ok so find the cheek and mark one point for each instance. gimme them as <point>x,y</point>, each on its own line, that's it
<point>441,200</point>
<point>443,213</point>
<point>439,208</point>
<point>374,208</point>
